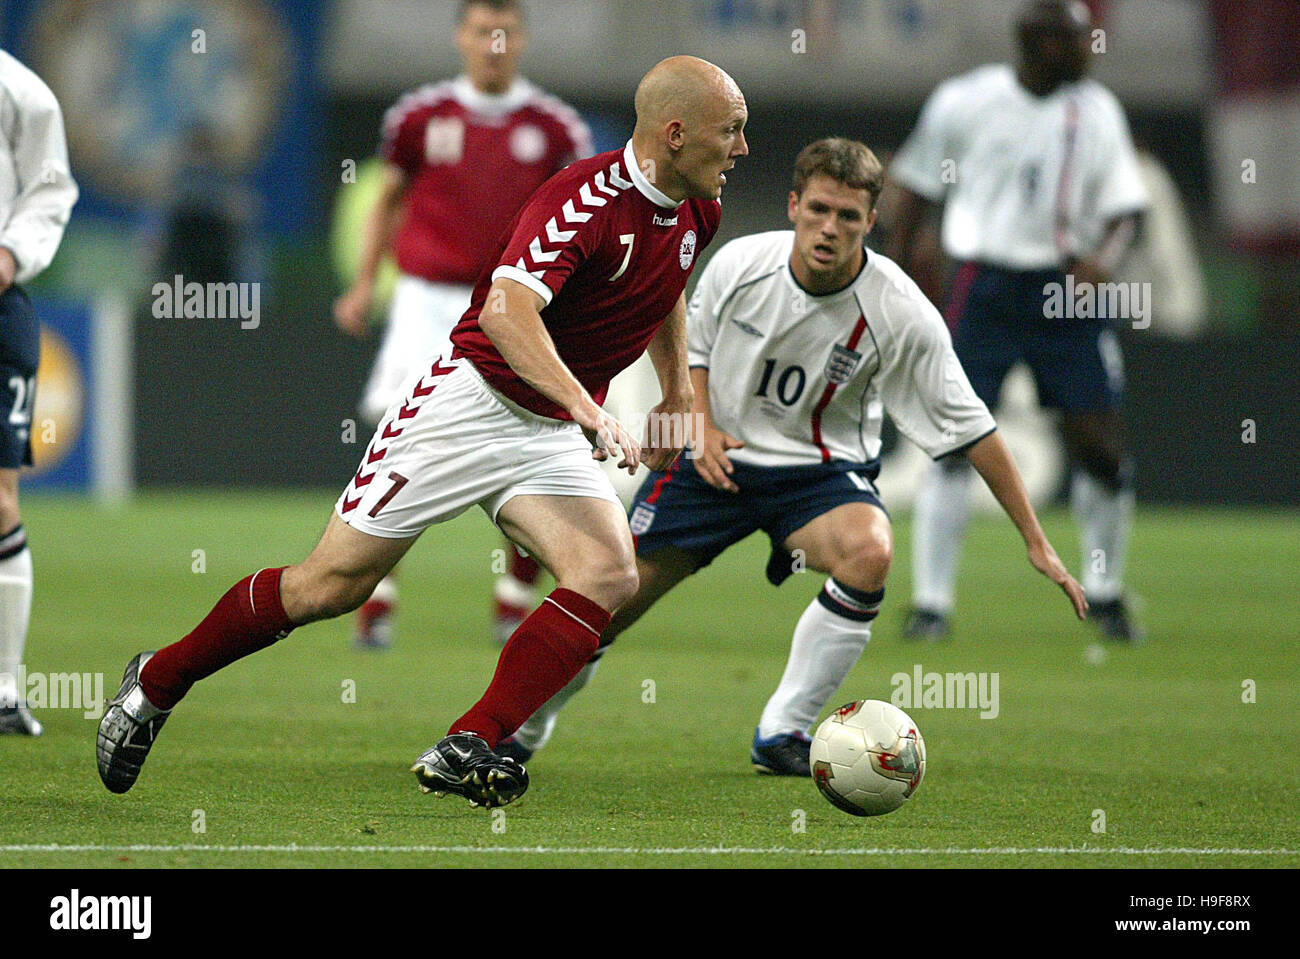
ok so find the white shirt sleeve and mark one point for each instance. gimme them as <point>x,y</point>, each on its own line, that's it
<point>703,311</point>
<point>919,162</point>
<point>1119,180</point>
<point>32,130</point>
<point>922,384</point>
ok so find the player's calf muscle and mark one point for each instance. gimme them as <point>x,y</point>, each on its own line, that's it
<point>309,595</point>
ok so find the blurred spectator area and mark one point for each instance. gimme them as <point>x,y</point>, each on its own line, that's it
<point>230,161</point>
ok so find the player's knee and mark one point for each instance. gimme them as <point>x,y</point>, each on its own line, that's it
<point>1108,466</point>
<point>624,582</point>
<point>865,562</point>
<point>9,515</point>
<point>612,584</point>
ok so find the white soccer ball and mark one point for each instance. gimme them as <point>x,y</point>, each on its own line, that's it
<point>867,758</point>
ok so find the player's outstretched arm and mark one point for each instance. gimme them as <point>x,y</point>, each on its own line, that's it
<point>992,460</point>
<point>511,318</point>
<point>350,309</point>
<point>669,423</point>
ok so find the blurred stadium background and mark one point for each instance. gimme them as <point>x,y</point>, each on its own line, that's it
<point>216,139</point>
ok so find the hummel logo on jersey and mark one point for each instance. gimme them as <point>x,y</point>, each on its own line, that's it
<point>560,230</point>
<point>841,364</point>
<point>747,328</point>
<point>665,221</point>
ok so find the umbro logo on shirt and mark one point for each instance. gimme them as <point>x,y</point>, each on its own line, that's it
<point>747,328</point>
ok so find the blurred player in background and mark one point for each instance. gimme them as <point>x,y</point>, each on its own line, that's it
<point>461,157</point>
<point>37,193</point>
<point>1039,179</point>
<point>589,276</point>
<point>798,341</point>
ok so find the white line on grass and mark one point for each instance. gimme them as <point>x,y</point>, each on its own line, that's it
<point>653,851</point>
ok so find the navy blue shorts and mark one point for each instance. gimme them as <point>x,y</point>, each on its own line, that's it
<point>678,508</point>
<point>20,355</point>
<point>997,320</point>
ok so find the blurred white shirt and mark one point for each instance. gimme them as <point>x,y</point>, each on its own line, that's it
<point>37,190</point>
<point>1027,182</point>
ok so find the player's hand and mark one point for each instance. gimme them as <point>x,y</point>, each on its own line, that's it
<point>606,434</point>
<point>350,310</point>
<point>8,268</point>
<point>667,432</point>
<point>711,460</point>
<point>1045,560</point>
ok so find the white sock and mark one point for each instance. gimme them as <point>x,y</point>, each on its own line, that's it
<point>514,592</point>
<point>939,518</point>
<point>1104,517</point>
<point>826,644</point>
<point>537,729</point>
<point>386,591</point>
<point>15,611</point>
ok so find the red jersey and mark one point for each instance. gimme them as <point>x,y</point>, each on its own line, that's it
<point>472,157</point>
<point>609,254</point>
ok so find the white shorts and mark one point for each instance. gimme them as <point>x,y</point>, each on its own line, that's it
<point>420,321</point>
<point>454,443</point>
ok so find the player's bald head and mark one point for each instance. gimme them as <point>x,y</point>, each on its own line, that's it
<point>686,89</point>
<point>690,122</point>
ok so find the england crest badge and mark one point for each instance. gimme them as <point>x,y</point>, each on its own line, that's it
<point>841,364</point>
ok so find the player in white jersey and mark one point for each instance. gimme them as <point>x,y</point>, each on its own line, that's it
<point>798,343</point>
<point>1041,194</point>
<point>36,197</point>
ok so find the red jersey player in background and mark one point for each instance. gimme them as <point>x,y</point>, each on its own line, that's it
<point>590,275</point>
<point>460,159</point>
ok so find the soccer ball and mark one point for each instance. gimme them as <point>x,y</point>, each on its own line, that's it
<point>867,758</point>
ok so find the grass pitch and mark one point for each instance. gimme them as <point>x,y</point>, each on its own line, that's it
<point>298,756</point>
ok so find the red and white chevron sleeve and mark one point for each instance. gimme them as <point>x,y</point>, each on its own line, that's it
<point>559,229</point>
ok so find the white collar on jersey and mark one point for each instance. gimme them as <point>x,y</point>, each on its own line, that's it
<point>491,104</point>
<point>648,189</point>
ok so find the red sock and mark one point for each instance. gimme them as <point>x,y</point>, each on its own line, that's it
<point>248,618</point>
<point>545,652</point>
<point>524,568</point>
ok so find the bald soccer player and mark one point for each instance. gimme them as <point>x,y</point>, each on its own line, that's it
<point>589,276</point>
<point>472,149</point>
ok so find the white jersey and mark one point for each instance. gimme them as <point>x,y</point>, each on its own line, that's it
<point>804,379</point>
<point>1027,181</point>
<point>36,186</point>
